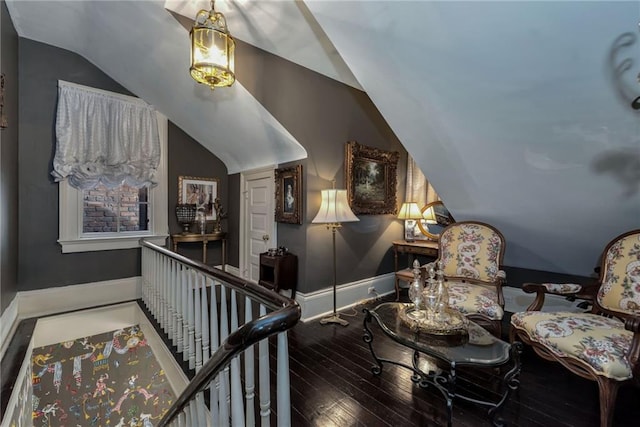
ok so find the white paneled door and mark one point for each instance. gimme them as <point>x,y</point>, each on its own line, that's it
<point>258,197</point>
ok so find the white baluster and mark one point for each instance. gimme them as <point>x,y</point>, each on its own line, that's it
<point>182,419</point>
<point>163,295</point>
<point>283,391</point>
<point>154,284</point>
<point>214,386</point>
<point>206,350</point>
<point>179,308</point>
<point>198,314</point>
<point>201,409</point>
<point>237,410</point>
<point>171,310</point>
<point>225,396</point>
<point>166,295</point>
<point>185,315</point>
<point>145,275</point>
<point>249,371</point>
<point>192,328</point>
<point>191,418</point>
<point>263,377</point>
<point>175,293</point>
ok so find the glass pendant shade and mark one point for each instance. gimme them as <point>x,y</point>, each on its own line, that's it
<point>212,50</point>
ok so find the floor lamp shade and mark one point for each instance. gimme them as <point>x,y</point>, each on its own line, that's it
<point>334,208</point>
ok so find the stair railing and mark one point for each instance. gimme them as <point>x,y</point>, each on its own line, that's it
<point>215,319</point>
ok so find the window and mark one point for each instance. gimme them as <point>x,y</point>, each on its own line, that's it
<point>103,219</point>
<point>118,210</point>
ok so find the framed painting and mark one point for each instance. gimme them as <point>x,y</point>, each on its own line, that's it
<point>201,192</point>
<point>371,179</point>
<point>289,194</point>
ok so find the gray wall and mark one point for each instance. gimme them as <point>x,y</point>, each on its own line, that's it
<point>41,262</point>
<point>187,157</point>
<point>323,114</point>
<point>9,162</point>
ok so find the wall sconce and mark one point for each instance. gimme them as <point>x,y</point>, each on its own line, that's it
<point>409,212</point>
<point>212,50</point>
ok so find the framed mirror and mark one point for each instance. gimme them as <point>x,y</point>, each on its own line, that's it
<point>437,217</point>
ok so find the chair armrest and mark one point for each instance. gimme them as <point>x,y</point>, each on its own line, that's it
<point>633,324</point>
<point>540,289</point>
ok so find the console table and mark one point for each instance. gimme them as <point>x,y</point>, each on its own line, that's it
<point>479,350</point>
<point>420,247</point>
<point>205,239</point>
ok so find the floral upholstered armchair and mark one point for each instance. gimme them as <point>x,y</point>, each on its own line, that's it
<point>471,254</point>
<point>604,344</point>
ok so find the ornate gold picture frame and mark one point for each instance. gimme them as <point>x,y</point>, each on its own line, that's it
<point>371,179</point>
<point>289,194</point>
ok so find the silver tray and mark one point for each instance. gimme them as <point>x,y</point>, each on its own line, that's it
<point>450,322</point>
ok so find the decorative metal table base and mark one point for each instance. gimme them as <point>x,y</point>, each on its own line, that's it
<point>445,382</point>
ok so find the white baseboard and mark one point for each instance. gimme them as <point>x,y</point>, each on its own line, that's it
<point>75,297</point>
<point>43,302</point>
<point>231,269</point>
<point>320,303</point>
<point>8,325</point>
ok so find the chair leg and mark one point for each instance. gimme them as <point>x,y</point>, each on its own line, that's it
<point>608,390</point>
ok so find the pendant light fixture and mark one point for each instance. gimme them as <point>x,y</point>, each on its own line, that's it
<point>212,50</point>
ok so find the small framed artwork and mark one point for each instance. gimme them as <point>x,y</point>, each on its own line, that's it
<point>201,192</point>
<point>371,179</point>
<point>289,194</point>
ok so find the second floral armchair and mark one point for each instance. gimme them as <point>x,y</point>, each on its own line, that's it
<point>471,254</point>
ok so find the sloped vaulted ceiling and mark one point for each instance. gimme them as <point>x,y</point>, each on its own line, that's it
<point>514,110</point>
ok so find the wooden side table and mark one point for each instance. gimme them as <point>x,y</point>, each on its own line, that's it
<point>279,272</point>
<point>426,248</point>
<point>205,239</point>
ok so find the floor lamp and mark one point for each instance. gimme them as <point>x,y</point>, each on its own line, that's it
<point>334,210</point>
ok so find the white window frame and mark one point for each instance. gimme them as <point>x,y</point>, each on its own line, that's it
<point>71,206</point>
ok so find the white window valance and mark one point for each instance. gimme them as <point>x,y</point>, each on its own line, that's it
<point>104,138</point>
<point>418,189</point>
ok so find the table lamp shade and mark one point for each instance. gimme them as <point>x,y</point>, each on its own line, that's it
<point>334,208</point>
<point>409,210</point>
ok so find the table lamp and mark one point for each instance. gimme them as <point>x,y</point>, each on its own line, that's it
<point>334,210</point>
<point>410,212</point>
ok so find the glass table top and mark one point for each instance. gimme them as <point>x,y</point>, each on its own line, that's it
<point>478,348</point>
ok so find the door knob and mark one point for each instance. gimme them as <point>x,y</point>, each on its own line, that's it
<point>265,237</point>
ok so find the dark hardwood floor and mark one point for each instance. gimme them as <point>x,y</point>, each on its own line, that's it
<point>332,385</point>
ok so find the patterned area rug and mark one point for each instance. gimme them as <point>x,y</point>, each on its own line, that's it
<point>111,379</point>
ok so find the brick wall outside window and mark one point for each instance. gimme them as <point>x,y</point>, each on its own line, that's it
<point>101,207</point>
